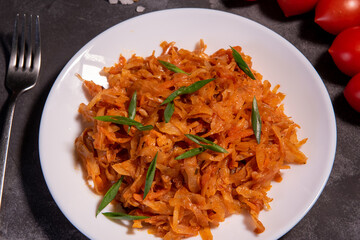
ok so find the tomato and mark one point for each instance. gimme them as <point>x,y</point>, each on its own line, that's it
<point>345,51</point>
<point>352,92</point>
<point>335,16</point>
<point>296,7</point>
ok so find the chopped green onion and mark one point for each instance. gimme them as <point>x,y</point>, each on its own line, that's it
<point>212,146</point>
<point>198,140</point>
<point>124,121</point>
<point>215,148</point>
<point>132,107</point>
<point>256,120</point>
<point>187,90</point>
<point>172,67</point>
<point>109,195</point>
<point>145,128</point>
<point>191,153</point>
<point>150,176</point>
<point>169,110</point>
<point>241,63</point>
<point>123,216</point>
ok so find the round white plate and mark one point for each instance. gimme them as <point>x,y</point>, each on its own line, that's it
<point>307,102</point>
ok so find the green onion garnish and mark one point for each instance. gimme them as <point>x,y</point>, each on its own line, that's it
<point>256,120</point>
<point>241,63</point>
<point>132,107</point>
<point>212,146</point>
<point>109,195</point>
<point>187,90</point>
<point>172,67</point>
<point>169,110</point>
<point>123,216</point>
<point>190,153</point>
<point>124,121</point>
<point>150,176</point>
<point>195,151</point>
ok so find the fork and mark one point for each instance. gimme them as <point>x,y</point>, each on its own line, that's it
<point>22,74</point>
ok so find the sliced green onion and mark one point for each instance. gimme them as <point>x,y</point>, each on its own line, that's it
<point>123,216</point>
<point>150,176</point>
<point>241,63</point>
<point>198,139</point>
<point>132,107</point>
<point>124,121</point>
<point>187,90</point>
<point>109,195</point>
<point>212,146</point>
<point>169,110</point>
<point>145,128</point>
<point>172,67</point>
<point>190,153</point>
<point>256,120</point>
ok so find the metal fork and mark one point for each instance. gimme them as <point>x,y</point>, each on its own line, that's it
<point>23,71</point>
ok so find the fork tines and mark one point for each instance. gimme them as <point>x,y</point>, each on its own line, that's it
<point>27,42</point>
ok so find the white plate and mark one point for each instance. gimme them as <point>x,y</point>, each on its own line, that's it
<point>307,102</point>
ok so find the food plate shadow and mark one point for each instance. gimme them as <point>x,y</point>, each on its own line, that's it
<point>344,111</point>
<point>272,10</point>
<point>237,4</point>
<point>310,31</point>
<point>329,72</point>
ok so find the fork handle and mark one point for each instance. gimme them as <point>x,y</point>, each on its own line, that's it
<point>5,140</point>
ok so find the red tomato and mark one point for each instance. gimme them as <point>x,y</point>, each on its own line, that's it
<point>335,16</point>
<point>296,7</point>
<point>345,51</point>
<point>352,92</point>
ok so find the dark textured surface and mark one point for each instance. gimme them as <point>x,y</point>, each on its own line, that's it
<point>28,210</point>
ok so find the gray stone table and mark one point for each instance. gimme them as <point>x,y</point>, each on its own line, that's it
<point>28,210</point>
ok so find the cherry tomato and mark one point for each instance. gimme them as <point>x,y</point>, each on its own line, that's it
<point>345,51</point>
<point>296,7</point>
<point>352,92</point>
<point>335,16</point>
